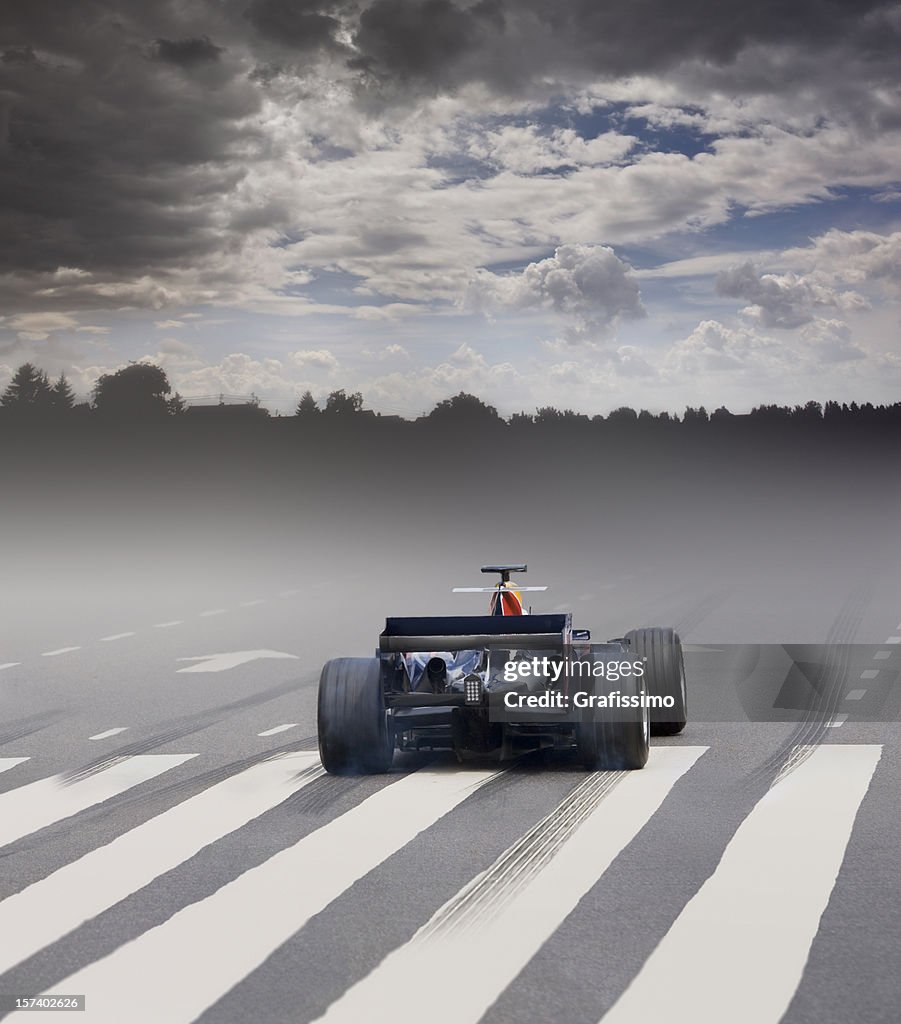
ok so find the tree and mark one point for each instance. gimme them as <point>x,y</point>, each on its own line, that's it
<point>176,405</point>
<point>465,409</point>
<point>62,397</point>
<point>548,414</point>
<point>623,416</point>
<point>28,391</point>
<point>693,416</point>
<point>339,403</point>
<point>138,391</point>
<point>307,409</point>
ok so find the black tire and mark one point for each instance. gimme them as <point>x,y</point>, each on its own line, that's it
<point>354,735</point>
<point>617,740</point>
<point>664,675</point>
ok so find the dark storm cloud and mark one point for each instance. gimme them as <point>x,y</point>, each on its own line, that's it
<point>509,43</point>
<point>300,24</point>
<point>421,40</point>
<point>121,134</point>
<point>127,127</point>
<point>186,52</point>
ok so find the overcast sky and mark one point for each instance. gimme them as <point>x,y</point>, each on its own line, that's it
<point>568,202</point>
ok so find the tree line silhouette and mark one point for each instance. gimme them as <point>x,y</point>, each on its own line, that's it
<point>142,392</point>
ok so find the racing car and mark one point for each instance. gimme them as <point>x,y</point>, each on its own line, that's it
<point>501,684</point>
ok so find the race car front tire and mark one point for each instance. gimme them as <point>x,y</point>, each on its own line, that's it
<point>354,734</point>
<point>664,675</point>
<point>615,739</point>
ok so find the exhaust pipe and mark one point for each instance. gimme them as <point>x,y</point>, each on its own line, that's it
<point>436,673</point>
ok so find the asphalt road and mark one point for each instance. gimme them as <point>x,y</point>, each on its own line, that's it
<point>187,859</point>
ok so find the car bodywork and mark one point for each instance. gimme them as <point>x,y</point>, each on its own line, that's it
<point>466,683</point>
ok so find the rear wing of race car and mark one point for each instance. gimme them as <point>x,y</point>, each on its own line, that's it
<point>469,632</point>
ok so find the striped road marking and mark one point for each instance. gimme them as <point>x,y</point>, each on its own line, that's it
<point>109,732</point>
<point>762,906</point>
<point>553,867</point>
<point>39,804</point>
<point>54,906</point>
<point>268,903</point>
<point>277,729</point>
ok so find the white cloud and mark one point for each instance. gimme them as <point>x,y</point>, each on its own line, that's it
<point>714,348</point>
<point>319,359</point>
<point>528,149</point>
<point>829,341</point>
<point>786,300</point>
<point>855,257</point>
<point>39,326</point>
<point>587,283</point>
<point>236,374</point>
<point>175,348</point>
<point>420,389</point>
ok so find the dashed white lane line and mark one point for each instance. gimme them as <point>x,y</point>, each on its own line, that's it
<point>9,664</point>
<point>167,625</point>
<point>10,762</point>
<point>894,640</point>
<point>278,728</point>
<point>759,912</point>
<point>59,650</point>
<point>252,604</point>
<point>109,732</point>
<point>870,673</point>
<point>882,655</point>
<point>855,694</point>
<point>289,593</point>
<point>114,636</point>
<point>213,611</point>
<point>837,721</point>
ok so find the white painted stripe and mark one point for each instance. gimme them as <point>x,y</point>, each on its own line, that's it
<point>38,804</point>
<point>59,650</point>
<point>289,593</point>
<point>271,902</point>
<point>168,625</point>
<point>494,950</point>
<point>109,732</point>
<point>870,673</point>
<point>278,728</point>
<point>882,655</point>
<point>855,694</point>
<point>9,664</point>
<point>894,640</point>
<point>115,636</point>
<point>230,659</point>
<point>837,721</point>
<point>10,762</point>
<point>252,604</point>
<point>758,913</point>
<point>213,611</point>
<point>49,909</point>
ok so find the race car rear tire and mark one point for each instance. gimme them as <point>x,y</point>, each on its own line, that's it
<point>354,734</point>
<point>664,675</point>
<point>615,739</point>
